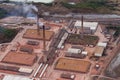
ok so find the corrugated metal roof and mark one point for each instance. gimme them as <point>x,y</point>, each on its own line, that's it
<point>73,50</point>
<point>102,44</point>
<point>91,25</point>
<point>60,44</point>
<point>99,51</point>
<point>26,70</point>
<point>6,78</point>
<point>12,77</point>
<point>17,78</point>
<point>84,53</point>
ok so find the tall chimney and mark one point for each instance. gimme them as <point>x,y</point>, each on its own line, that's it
<point>44,46</point>
<point>44,41</point>
<point>82,32</point>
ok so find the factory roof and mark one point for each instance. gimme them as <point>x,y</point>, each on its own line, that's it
<point>74,50</point>
<point>91,25</point>
<point>84,53</point>
<point>25,70</point>
<point>99,51</point>
<point>11,77</point>
<point>26,49</point>
<point>102,44</point>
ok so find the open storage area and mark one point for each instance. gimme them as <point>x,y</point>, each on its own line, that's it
<point>32,34</point>
<point>73,65</point>
<point>20,58</point>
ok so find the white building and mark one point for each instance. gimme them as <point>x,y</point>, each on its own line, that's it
<point>88,27</point>
<point>102,44</point>
<point>100,49</point>
<point>73,50</point>
<point>25,70</point>
<point>13,77</point>
<point>84,53</point>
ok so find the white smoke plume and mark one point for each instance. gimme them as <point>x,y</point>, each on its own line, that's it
<point>24,10</point>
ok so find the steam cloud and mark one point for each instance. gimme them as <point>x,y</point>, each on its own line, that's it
<point>24,10</point>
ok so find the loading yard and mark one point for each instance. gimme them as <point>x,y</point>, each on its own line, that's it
<point>32,34</point>
<point>20,58</point>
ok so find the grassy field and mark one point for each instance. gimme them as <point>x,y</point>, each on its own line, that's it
<point>98,6</point>
<point>6,35</point>
<point>86,6</point>
<point>2,13</point>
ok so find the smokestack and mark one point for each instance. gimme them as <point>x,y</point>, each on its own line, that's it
<point>44,46</point>
<point>44,41</point>
<point>82,26</point>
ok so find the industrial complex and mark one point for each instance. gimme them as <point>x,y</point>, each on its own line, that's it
<point>59,49</point>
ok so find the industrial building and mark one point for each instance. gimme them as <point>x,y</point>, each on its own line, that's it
<point>76,52</point>
<point>26,49</point>
<point>100,49</point>
<point>68,76</point>
<point>13,77</point>
<point>35,43</point>
<point>72,55</point>
<point>54,48</point>
<point>59,39</point>
<point>73,50</point>
<point>88,27</point>
<point>16,69</point>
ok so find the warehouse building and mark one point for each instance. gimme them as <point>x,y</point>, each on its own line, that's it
<point>102,44</point>
<point>88,27</point>
<point>100,49</point>
<point>35,43</point>
<point>26,49</point>
<point>11,77</point>
<point>59,39</point>
<point>68,76</point>
<point>73,50</point>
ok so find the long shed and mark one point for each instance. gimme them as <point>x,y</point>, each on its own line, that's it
<point>73,50</point>
<point>99,51</point>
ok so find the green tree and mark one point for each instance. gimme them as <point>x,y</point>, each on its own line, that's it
<point>10,33</point>
<point>2,13</point>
